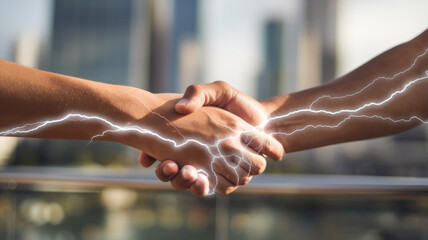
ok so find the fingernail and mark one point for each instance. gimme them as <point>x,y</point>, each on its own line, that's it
<point>188,174</point>
<point>167,171</point>
<point>183,101</point>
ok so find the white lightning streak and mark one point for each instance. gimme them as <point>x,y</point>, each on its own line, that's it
<point>372,82</point>
<point>33,127</point>
<point>408,120</point>
<point>366,105</point>
<point>113,127</point>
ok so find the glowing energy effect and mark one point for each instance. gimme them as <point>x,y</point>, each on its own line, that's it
<point>32,127</point>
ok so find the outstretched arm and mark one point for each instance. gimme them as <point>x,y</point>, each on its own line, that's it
<point>387,95</point>
<point>40,104</point>
<point>28,95</point>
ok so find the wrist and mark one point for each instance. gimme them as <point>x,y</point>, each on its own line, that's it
<point>274,105</point>
<point>152,112</point>
<point>284,127</point>
<point>124,106</point>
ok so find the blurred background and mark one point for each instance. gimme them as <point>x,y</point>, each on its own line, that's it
<point>263,48</point>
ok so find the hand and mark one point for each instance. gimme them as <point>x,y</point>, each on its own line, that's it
<point>209,134</point>
<point>218,94</point>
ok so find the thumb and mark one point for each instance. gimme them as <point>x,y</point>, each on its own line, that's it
<point>212,94</point>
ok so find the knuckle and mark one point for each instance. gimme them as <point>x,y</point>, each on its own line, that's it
<point>217,166</point>
<point>193,89</point>
<point>228,90</point>
<point>258,167</point>
<point>229,146</point>
<point>234,124</point>
<point>222,84</point>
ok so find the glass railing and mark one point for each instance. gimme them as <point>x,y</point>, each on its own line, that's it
<point>66,203</point>
<point>83,179</point>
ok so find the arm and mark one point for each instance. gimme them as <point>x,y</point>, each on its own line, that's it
<point>29,95</point>
<point>129,116</point>
<point>364,85</point>
<point>374,82</point>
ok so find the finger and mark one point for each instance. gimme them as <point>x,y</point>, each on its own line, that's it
<point>212,94</point>
<point>231,171</point>
<point>146,160</point>
<point>166,170</point>
<point>185,178</point>
<point>263,143</point>
<point>224,186</point>
<point>200,187</point>
<point>244,156</point>
<point>255,164</point>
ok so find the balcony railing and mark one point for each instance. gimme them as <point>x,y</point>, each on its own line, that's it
<point>92,179</point>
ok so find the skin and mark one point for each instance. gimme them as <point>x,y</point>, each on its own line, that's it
<point>412,102</point>
<point>29,95</point>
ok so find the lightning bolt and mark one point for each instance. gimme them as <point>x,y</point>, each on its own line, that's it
<point>364,106</point>
<point>218,154</point>
<point>360,108</point>
<point>113,127</point>
<point>389,119</point>
<point>373,81</point>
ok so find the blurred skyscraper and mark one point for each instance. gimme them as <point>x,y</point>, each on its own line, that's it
<point>184,43</point>
<point>174,45</point>
<point>91,39</point>
<point>270,76</point>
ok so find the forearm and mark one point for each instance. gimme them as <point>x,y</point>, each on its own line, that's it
<point>311,120</point>
<point>29,95</point>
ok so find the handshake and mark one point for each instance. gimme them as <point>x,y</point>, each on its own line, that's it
<point>232,136</point>
<point>214,138</point>
<point>382,97</point>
